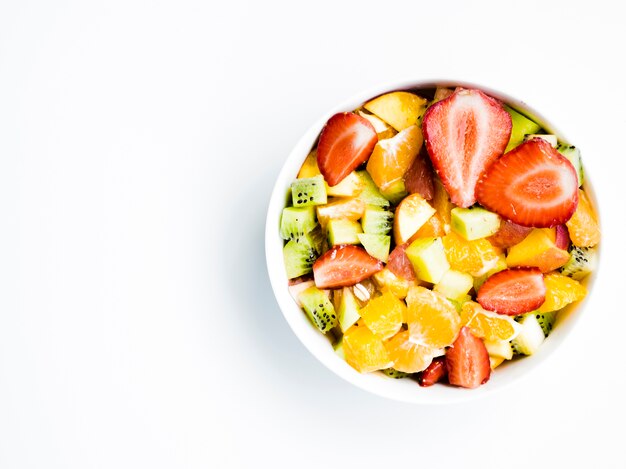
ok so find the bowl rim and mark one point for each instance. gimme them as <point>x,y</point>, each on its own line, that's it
<point>319,345</point>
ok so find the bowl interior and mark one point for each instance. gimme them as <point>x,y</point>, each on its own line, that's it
<point>319,345</point>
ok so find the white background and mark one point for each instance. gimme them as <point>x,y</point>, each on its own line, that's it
<point>139,142</point>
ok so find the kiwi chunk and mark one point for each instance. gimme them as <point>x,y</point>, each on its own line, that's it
<point>319,308</point>
<point>370,193</point>
<point>376,220</point>
<point>581,263</point>
<point>299,255</point>
<point>308,191</point>
<point>546,321</point>
<point>522,126</point>
<point>395,374</point>
<point>573,155</point>
<point>296,222</point>
<point>376,245</point>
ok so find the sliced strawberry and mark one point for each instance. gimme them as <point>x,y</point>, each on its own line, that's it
<point>513,291</point>
<point>435,372</point>
<point>465,133</point>
<point>532,185</point>
<point>509,235</point>
<point>467,361</point>
<point>399,263</point>
<point>562,237</point>
<point>419,176</point>
<point>346,141</point>
<point>343,266</point>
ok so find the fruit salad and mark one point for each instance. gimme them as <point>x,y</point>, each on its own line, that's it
<point>435,234</point>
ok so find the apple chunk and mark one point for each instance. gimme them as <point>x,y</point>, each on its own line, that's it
<point>412,213</point>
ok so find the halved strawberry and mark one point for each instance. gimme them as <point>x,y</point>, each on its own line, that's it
<point>532,185</point>
<point>344,265</point>
<point>346,141</point>
<point>465,133</point>
<point>419,176</point>
<point>399,263</point>
<point>562,237</point>
<point>467,361</point>
<point>435,372</point>
<point>513,291</point>
<point>509,235</point>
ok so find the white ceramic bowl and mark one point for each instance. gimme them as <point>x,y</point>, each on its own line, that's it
<point>319,345</point>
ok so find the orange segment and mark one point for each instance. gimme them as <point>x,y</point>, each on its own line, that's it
<point>407,356</point>
<point>474,257</point>
<point>431,317</point>
<point>386,280</point>
<point>392,157</point>
<point>433,228</point>
<point>561,291</point>
<point>584,230</point>
<point>487,324</point>
<point>400,109</point>
<point>384,315</point>
<point>364,351</point>
<point>441,202</point>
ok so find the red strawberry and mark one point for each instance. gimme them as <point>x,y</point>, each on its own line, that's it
<point>513,291</point>
<point>509,235</point>
<point>346,141</point>
<point>435,372</point>
<point>467,361</point>
<point>562,237</point>
<point>465,133</point>
<point>532,185</point>
<point>419,176</point>
<point>399,263</point>
<point>343,266</point>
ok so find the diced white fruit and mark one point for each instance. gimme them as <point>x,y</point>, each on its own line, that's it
<point>495,362</point>
<point>348,311</point>
<point>530,337</point>
<point>350,186</point>
<point>454,284</point>
<point>474,223</point>
<point>298,288</point>
<point>428,259</point>
<point>551,139</point>
<point>341,231</point>
<point>410,216</point>
<point>500,348</point>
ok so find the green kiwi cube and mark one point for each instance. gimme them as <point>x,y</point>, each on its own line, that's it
<point>454,284</point>
<point>376,245</point>
<point>297,221</point>
<point>546,321</point>
<point>573,155</point>
<point>474,223</point>
<point>376,220</point>
<point>319,308</point>
<point>343,231</point>
<point>299,255</point>
<point>348,311</point>
<point>522,126</point>
<point>308,191</point>
<point>531,336</point>
<point>428,259</point>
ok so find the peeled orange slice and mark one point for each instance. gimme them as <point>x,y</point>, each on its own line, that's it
<point>561,291</point>
<point>364,351</point>
<point>583,227</point>
<point>432,318</point>
<point>474,257</point>
<point>492,327</point>
<point>384,314</point>
<point>407,356</point>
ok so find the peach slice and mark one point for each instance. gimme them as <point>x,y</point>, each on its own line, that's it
<point>539,250</point>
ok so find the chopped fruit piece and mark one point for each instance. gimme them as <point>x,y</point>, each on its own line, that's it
<point>346,141</point>
<point>500,348</point>
<point>384,315</point>
<point>486,324</point>
<point>395,192</point>
<point>509,234</point>
<point>581,263</point>
<point>561,238</point>
<point>308,191</point>
<point>465,133</point>
<point>299,255</point>
<point>546,321</point>
<point>551,139</point>
<point>454,284</point>
<point>539,250</point>
<point>309,167</point>
<point>376,220</point>
<point>435,372</point>
<point>441,93</point>
<point>343,266</point>
<point>573,155</point>
<point>474,223</point>
<point>561,291</point>
<point>410,215</point>
<point>583,227</point>
<point>400,109</point>
<point>342,231</point>
<point>393,373</point>
<point>365,351</point>
<point>348,309</point>
<point>530,337</point>
<point>513,291</point>
<point>499,266</point>
<point>399,263</point>
<point>419,177</point>
<point>382,128</point>
<point>376,245</point>
<point>532,185</point>
<point>319,308</point>
<point>495,362</point>
<point>433,228</point>
<point>392,157</point>
<point>468,361</point>
<point>370,195</point>
<point>442,203</point>
<point>348,209</point>
<point>521,126</point>
<point>350,186</point>
<point>474,257</point>
<point>296,222</point>
<point>406,355</point>
<point>428,259</point>
<point>296,288</point>
<point>432,319</point>
<point>386,280</point>
<point>338,348</point>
